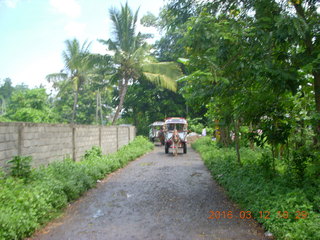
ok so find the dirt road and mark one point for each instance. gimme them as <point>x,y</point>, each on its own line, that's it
<point>155,197</point>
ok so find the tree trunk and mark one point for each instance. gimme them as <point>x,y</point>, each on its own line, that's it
<point>225,138</point>
<point>98,108</point>
<point>100,104</point>
<point>74,111</point>
<point>122,94</point>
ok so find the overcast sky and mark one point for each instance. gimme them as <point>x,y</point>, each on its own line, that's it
<point>33,33</point>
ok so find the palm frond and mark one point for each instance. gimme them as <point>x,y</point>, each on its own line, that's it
<point>124,25</point>
<point>112,45</point>
<point>54,77</point>
<point>165,74</point>
<point>98,59</point>
<point>170,69</point>
<point>141,53</point>
<point>85,47</point>
<point>63,86</point>
<point>161,80</point>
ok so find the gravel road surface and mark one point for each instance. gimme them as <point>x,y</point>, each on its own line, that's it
<point>158,196</point>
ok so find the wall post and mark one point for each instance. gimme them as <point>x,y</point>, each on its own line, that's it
<point>100,137</point>
<point>20,138</point>
<point>117,138</point>
<point>129,139</point>
<point>73,142</point>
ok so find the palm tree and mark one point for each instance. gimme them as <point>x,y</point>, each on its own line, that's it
<point>132,58</point>
<point>77,68</point>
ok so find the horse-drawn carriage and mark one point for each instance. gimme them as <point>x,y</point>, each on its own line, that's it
<point>156,132</point>
<point>175,134</point>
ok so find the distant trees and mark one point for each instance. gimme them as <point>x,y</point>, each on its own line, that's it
<point>77,69</point>
<point>29,105</point>
<point>19,103</point>
<point>5,93</point>
<point>146,103</point>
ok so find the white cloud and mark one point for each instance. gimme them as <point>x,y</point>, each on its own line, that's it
<point>100,48</point>
<point>34,73</point>
<point>10,3</point>
<point>71,8</point>
<point>97,47</point>
<point>150,30</point>
<point>75,29</point>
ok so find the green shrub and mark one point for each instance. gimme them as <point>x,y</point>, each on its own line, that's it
<point>195,125</point>
<point>252,188</point>
<point>20,166</point>
<point>2,175</point>
<point>265,161</point>
<point>26,205</point>
<point>300,158</point>
<point>94,152</point>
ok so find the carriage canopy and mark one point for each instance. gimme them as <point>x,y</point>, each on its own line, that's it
<point>176,123</point>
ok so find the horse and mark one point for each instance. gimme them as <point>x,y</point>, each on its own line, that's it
<point>161,137</point>
<point>175,142</point>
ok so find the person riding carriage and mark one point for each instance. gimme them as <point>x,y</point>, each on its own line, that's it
<point>175,134</point>
<point>156,132</point>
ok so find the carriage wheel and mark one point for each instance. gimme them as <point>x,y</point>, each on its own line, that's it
<point>184,148</point>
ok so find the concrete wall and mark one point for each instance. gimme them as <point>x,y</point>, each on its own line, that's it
<point>9,141</point>
<point>51,142</point>
<point>109,139</point>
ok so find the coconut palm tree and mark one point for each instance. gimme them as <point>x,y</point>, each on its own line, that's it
<point>76,71</point>
<point>132,56</point>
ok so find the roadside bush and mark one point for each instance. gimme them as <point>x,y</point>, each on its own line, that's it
<point>94,152</point>
<point>20,166</point>
<point>275,202</point>
<point>195,125</point>
<point>300,159</point>
<point>2,175</point>
<point>26,205</point>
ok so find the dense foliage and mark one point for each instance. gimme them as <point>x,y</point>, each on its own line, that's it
<point>30,198</point>
<point>146,103</point>
<point>288,210</point>
<point>20,103</point>
<point>252,72</point>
